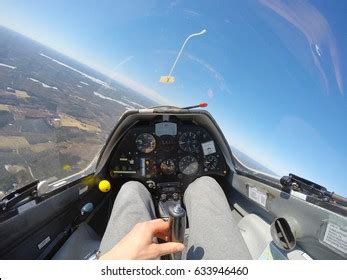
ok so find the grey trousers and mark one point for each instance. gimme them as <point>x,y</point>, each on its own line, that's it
<point>213,232</point>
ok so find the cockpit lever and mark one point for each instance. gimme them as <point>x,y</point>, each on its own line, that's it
<point>200,105</point>
<point>177,220</point>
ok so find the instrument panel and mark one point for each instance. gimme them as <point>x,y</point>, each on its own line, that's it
<point>167,152</point>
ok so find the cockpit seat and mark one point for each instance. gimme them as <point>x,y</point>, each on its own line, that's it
<point>82,244</point>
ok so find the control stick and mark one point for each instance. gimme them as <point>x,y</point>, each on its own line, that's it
<point>177,220</point>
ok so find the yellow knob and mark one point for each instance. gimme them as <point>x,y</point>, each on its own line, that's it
<point>104,186</point>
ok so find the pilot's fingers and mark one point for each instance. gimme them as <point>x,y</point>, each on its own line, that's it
<point>162,235</point>
<point>158,226</point>
<point>166,248</point>
<point>162,231</point>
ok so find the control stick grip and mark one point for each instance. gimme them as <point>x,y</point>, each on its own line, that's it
<point>177,220</point>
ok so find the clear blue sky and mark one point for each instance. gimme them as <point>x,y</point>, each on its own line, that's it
<point>273,72</point>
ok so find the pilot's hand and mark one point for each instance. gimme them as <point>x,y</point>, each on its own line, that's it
<point>138,244</point>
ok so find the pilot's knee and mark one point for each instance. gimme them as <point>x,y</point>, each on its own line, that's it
<point>203,184</point>
<point>133,189</point>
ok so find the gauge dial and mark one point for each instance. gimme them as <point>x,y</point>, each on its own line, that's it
<point>188,142</point>
<point>188,165</point>
<point>210,162</point>
<point>145,143</point>
<point>168,166</point>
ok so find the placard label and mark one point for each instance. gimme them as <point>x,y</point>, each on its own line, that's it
<point>336,237</point>
<point>257,196</point>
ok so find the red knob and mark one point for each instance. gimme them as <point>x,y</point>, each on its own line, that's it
<point>203,104</point>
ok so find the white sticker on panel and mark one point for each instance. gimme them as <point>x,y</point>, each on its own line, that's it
<point>83,190</point>
<point>257,196</point>
<point>208,148</point>
<point>44,242</point>
<point>336,237</point>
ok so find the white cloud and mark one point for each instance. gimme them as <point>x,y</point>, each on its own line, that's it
<point>43,84</point>
<point>98,81</point>
<point>127,106</point>
<point>8,66</point>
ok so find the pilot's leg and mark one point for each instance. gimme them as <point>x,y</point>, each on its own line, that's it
<point>133,205</point>
<point>213,232</point>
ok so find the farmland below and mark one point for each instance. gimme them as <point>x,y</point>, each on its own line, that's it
<point>55,113</point>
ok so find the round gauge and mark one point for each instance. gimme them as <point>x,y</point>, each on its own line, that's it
<point>188,165</point>
<point>210,162</point>
<point>145,143</point>
<point>188,142</point>
<point>167,166</point>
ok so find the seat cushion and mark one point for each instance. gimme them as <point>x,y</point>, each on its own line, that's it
<point>81,244</point>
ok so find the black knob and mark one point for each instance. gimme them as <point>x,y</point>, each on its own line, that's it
<point>286,183</point>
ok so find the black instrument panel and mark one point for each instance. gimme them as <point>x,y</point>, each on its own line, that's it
<point>167,152</point>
